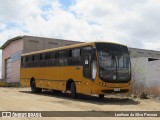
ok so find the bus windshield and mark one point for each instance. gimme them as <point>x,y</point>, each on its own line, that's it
<point>114,62</point>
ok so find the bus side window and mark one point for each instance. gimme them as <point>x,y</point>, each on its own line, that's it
<point>70,53</point>
<point>74,57</point>
<point>61,54</point>
<point>33,57</point>
<point>52,55</point>
<point>40,56</point>
<point>44,56</point>
<point>57,55</point>
<point>36,62</point>
<point>36,58</point>
<point>22,61</point>
<point>29,61</point>
<point>26,59</point>
<point>49,55</point>
<point>76,52</point>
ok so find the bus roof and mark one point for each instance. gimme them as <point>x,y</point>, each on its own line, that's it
<point>66,47</point>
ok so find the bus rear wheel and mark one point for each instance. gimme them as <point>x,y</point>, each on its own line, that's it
<point>73,90</point>
<point>34,89</point>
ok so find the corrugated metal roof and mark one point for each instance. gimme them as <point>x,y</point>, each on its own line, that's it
<point>10,40</point>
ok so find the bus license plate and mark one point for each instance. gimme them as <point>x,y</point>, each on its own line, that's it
<point>116,89</point>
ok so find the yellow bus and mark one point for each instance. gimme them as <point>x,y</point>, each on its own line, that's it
<point>88,68</point>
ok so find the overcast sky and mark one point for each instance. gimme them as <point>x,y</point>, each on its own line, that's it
<point>135,23</point>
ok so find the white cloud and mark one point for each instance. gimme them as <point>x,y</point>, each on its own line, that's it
<point>18,10</point>
<point>2,26</point>
<point>152,45</point>
<point>130,22</point>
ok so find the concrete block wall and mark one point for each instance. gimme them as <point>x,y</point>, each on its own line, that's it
<point>153,76</point>
<point>139,70</point>
<point>38,43</point>
<point>135,53</point>
<point>145,73</point>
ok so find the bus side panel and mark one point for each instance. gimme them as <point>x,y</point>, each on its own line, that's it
<point>26,74</point>
<point>53,77</point>
<point>25,83</point>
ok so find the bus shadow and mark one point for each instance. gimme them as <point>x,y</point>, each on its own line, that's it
<point>88,98</point>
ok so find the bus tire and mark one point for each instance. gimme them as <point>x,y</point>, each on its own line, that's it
<point>73,90</point>
<point>34,89</point>
<point>101,95</point>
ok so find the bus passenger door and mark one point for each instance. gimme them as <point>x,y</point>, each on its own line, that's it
<point>87,82</point>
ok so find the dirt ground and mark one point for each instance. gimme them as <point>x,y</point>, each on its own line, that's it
<point>21,99</point>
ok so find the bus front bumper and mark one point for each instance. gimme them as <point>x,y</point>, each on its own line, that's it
<point>111,89</point>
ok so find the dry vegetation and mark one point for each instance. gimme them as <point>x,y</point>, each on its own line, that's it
<point>153,92</point>
<point>143,92</point>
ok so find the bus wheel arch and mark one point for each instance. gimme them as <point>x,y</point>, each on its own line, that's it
<point>68,84</point>
<point>34,89</point>
<point>32,79</point>
<point>72,87</point>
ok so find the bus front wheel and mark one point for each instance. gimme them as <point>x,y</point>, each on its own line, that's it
<point>34,89</point>
<point>73,90</point>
